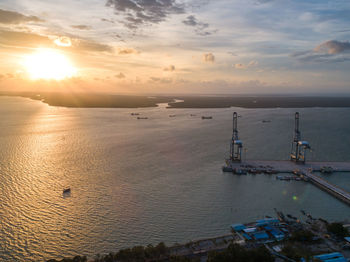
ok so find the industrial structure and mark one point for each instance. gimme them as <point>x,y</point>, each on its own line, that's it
<point>236,144</point>
<point>296,165</point>
<point>299,147</point>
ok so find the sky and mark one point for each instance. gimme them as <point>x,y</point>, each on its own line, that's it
<point>176,46</point>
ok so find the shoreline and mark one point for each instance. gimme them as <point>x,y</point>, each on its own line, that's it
<point>271,234</point>
<point>98,100</point>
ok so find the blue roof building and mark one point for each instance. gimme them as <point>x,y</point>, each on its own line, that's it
<point>268,221</point>
<point>279,235</point>
<point>238,227</point>
<point>331,257</point>
<point>246,236</point>
<point>261,235</point>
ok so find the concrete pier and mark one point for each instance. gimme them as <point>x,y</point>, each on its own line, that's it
<point>302,169</point>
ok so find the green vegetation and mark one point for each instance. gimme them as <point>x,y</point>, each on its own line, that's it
<point>136,254</point>
<point>236,253</point>
<point>302,236</point>
<point>75,259</point>
<point>94,100</point>
<point>99,100</point>
<point>291,252</point>
<point>296,252</point>
<point>337,229</point>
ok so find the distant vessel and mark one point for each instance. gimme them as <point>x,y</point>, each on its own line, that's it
<point>207,117</point>
<point>135,114</point>
<point>227,169</point>
<point>270,171</point>
<point>142,117</point>
<point>172,115</point>
<point>239,171</point>
<point>266,121</point>
<point>286,178</point>
<point>326,170</point>
<point>66,190</point>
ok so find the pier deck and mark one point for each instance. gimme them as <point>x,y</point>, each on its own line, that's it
<point>306,170</point>
<point>286,166</point>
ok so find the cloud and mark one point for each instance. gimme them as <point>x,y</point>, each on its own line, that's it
<point>330,51</point>
<point>209,58</point>
<point>161,80</point>
<point>81,27</point>
<point>200,27</point>
<point>6,76</point>
<point>127,51</point>
<point>11,17</point>
<point>260,2</point>
<point>143,12</point>
<point>170,68</point>
<point>89,45</point>
<point>63,41</point>
<point>120,75</point>
<point>320,58</point>
<point>32,40</point>
<point>22,39</point>
<point>107,20</point>
<point>333,47</point>
<point>192,21</point>
<point>232,53</point>
<point>82,44</point>
<point>240,66</point>
<point>252,63</point>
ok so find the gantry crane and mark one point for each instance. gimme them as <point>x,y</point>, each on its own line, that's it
<point>236,144</point>
<point>299,147</point>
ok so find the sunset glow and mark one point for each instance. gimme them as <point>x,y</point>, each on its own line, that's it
<point>177,46</point>
<point>48,64</point>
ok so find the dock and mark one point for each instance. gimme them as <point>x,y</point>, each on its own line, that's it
<point>296,165</point>
<point>302,169</point>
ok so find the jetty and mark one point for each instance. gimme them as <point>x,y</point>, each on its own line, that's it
<point>297,164</point>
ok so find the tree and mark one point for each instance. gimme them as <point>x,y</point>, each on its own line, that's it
<point>337,229</point>
<point>236,253</point>
<point>302,236</point>
<point>291,252</point>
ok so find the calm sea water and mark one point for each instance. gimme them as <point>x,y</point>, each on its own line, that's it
<point>145,181</point>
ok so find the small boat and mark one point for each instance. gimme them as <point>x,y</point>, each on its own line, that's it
<point>142,117</point>
<point>239,171</point>
<point>135,114</point>
<point>326,170</point>
<point>207,117</point>
<point>266,121</point>
<point>291,217</point>
<point>285,178</point>
<point>172,115</point>
<point>227,169</point>
<point>66,190</point>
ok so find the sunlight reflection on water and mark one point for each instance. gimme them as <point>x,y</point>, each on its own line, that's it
<point>145,181</point>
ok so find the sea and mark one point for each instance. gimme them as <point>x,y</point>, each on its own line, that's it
<point>144,181</point>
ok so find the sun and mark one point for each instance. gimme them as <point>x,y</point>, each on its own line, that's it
<point>49,64</point>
